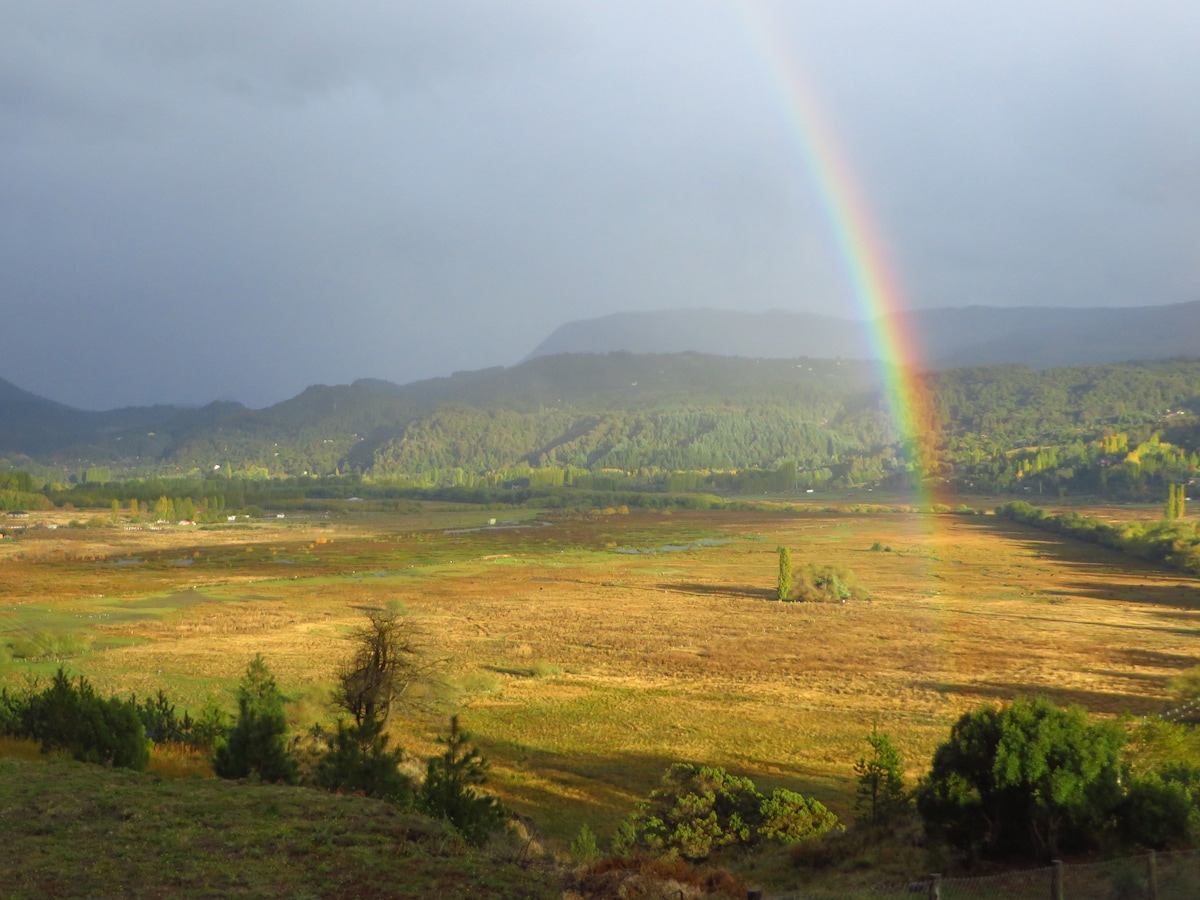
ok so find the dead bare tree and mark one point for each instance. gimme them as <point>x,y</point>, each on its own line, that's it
<point>384,662</point>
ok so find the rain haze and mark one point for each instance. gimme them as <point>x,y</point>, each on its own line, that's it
<point>236,200</point>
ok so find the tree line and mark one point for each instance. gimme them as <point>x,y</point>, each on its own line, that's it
<point>1171,541</point>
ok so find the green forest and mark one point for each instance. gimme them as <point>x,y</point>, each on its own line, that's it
<point>682,423</point>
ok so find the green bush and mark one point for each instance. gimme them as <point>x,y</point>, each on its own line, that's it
<point>788,817</point>
<point>699,809</point>
<point>12,708</point>
<point>829,584</point>
<point>1158,812</point>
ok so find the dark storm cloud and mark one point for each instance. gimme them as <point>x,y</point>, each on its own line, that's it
<point>238,199</point>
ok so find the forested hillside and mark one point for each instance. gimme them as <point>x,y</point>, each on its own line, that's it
<point>659,422</point>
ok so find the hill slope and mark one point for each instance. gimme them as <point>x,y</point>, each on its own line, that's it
<point>74,830</point>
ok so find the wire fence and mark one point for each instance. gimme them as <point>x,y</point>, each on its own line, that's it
<point>1187,713</point>
<point>1152,876</point>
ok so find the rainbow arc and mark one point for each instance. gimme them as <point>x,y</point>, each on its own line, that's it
<point>871,278</point>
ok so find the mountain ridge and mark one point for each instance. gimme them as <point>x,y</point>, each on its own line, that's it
<point>949,337</point>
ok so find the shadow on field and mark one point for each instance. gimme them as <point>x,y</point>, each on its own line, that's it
<point>1185,598</point>
<point>1156,658</point>
<point>1093,701</point>
<point>736,591</point>
<point>1060,547</point>
<point>566,790</point>
<point>1100,561</point>
<point>1114,626</point>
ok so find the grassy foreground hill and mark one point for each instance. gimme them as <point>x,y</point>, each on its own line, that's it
<point>76,830</point>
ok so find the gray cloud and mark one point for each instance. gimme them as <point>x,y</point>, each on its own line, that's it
<point>238,199</point>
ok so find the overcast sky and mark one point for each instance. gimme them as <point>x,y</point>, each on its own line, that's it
<point>238,199</point>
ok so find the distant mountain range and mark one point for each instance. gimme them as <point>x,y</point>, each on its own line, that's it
<point>948,338</point>
<point>776,391</point>
<point>491,416</point>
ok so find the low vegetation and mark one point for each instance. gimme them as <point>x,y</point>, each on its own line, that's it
<point>699,810</point>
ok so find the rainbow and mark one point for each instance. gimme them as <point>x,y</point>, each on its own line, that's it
<point>874,287</point>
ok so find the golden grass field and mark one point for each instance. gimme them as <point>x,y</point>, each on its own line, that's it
<point>583,671</point>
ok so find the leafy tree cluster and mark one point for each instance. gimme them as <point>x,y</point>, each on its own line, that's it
<point>1015,406</point>
<point>18,491</point>
<point>1034,780</point>
<point>10,500</point>
<point>1173,543</point>
<point>699,810</point>
<point>676,439</point>
<point>827,584</point>
<point>1105,465</point>
<point>17,481</point>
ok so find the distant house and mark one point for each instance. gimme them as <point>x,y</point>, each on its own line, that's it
<point>18,514</point>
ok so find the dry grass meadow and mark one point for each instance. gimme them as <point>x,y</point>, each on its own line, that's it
<point>584,669</point>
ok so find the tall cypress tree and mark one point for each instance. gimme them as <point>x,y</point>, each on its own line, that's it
<point>783,587</point>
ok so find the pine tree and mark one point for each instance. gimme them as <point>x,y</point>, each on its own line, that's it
<point>359,760</point>
<point>258,742</point>
<point>881,794</point>
<point>449,788</point>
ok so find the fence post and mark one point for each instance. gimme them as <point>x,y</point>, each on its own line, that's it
<point>1056,883</point>
<point>1152,876</point>
<point>935,887</point>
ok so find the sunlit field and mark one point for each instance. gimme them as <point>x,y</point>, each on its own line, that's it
<point>585,668</point>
